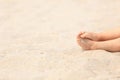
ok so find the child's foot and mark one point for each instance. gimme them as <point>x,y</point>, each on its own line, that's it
<point>86,43</point>
<point>110,45</point>
<point>89,35</point>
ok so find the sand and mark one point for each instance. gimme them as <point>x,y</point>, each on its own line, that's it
<point>38,39</point>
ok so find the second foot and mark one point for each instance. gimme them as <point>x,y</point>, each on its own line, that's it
<point>86,44</point>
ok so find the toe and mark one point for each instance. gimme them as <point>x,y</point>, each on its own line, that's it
<point>84,35</point>
<point>79,35</point>
<point>87,36</point>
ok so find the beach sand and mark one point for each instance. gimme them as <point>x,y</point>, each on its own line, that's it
<point>38,39</point>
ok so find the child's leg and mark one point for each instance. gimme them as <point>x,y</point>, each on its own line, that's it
<point>111,34</point>
<point>107,35</point>
<point>110,45</point>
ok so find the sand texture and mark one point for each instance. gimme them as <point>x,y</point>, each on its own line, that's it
<point>38,39</point>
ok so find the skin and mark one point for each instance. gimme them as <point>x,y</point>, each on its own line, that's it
<point>108,40</point>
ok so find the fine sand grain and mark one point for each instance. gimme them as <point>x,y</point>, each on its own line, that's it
<point>38,39</point>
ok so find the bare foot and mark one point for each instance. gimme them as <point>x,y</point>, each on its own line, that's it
<point>86,43</point>
<point>109,45</point>
<point>89,35</point>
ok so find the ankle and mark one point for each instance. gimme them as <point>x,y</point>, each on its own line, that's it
<point>94,46</point>
<point>99,37</point>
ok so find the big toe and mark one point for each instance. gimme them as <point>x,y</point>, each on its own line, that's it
<point>79,35</point>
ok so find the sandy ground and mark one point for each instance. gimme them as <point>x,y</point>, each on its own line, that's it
<point>38,39</point>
